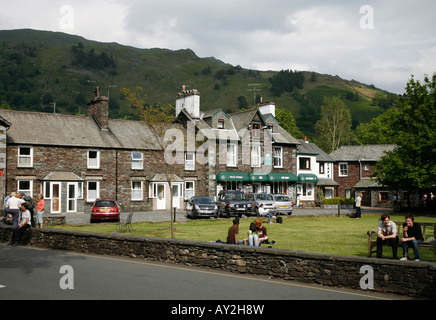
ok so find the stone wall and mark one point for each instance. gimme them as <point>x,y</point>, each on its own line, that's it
<point>409,278</point>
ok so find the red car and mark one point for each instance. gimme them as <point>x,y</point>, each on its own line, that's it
<point>105,210</point>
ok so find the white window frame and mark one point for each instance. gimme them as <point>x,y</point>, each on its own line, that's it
<point>256,156</point>
<point>343,169</point>
<point>137,160</point>
<point>190,163</point>
<point>97,160</point>
<point>232,154</point>
<point>278,157</point>
<point>24,160</point>
<point>137,194</point>
<point>97,191</point>
<point>29,191</point>
<point>189,192</point>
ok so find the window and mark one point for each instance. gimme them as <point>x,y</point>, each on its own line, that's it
<point>93,191</point>
<point>136,191</point>
<point>255,156</point>
<point>256,130</point>
<point>93,159</point>
<point>190,161</point>
<point>343,169</point>
<point>384,196</point>
<point>25,157</point>
<point>278,157</point>
<point>25,186</point>
<point>304,163</point>
<point>271,127</point>
<point>137,161</point>
<point>321,168</point>
<point>189,189</point>
<point>232,155</point>
<point>221,124</point>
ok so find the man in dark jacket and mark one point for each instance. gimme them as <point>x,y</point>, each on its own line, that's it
<point>412,237</point>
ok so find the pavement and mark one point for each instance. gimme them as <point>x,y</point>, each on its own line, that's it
<point>160,216</point>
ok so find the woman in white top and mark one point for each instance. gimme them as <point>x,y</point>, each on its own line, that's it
<point>23,226</point>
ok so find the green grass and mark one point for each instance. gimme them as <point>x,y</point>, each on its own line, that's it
<point>317,234</point>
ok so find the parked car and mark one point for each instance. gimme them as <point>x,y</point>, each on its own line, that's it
<point>283,204</point>
<point>233,203</point>
<point>105,210</point>
<point>198,207</point>
<point>258,198</point>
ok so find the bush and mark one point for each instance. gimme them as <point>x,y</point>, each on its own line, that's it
<point>338,201</point>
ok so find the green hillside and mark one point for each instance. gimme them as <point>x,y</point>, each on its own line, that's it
<point>39,67</point>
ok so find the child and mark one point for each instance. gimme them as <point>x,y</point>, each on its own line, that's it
<point>40,207</point>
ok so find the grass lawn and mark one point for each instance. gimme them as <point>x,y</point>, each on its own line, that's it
<point>318,234</point>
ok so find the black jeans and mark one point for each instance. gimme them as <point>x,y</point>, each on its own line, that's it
<point>392,242</point>
<point>16,236</point>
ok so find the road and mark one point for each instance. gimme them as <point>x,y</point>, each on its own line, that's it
<point>28,273</point>
<point>158,216</point>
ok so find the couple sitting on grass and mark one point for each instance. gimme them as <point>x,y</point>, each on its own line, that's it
<point>256,234</point>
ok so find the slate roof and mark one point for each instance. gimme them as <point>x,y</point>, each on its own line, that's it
<point>36,128</point>
<point>363,153</point>
<point>313,149</point>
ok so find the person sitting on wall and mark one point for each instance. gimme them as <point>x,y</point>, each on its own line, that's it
<point>386,234</point>
<point>23,226</point>
<point>412,237</point>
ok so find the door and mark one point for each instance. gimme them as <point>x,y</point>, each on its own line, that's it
<point>55,197</point>
<point>72,198</point>
<point>177,194</point>
<point>161,197</point>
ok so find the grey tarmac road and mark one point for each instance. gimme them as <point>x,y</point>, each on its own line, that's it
<point>159,216</point>
<point>28,273</point>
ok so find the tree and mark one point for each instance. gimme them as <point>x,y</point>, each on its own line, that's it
<point>287,122</point>
<point>333,130</point>
<point>412,165</point>
<point>379,131</point>
<point>158,119</point>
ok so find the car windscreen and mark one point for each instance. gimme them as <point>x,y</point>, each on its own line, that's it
<point>235,196</point>
<point>263,196</point>
<point>282,198</point>
<point>204,200</point>
<point>105,203</point>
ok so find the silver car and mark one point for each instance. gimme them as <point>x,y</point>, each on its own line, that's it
<point>283,204</point>
<point>258,198</point>
<point>198,207</point>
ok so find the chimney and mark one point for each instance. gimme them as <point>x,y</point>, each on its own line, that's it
<point>98,108</point>
<point>189,100</point>
<point>267,108</point>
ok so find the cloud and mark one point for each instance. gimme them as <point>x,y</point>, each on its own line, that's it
<point>314,35</point>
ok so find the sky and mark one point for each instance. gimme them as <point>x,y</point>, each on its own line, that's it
<point>379,42</point>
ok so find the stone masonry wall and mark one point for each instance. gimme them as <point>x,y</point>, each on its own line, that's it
<point>409,278</point>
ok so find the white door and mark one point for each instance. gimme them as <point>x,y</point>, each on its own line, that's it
<point>177,194</point>
<point>72,198</point>
<point>55,197</point>
<point>161,197</point>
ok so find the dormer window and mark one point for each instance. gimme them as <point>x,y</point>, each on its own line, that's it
<point>221,124</point>
<point>256,130</point>
<point>271,127</point>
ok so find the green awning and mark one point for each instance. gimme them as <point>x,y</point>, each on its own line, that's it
<point>258,177</point>
<point>232,176</point>
<point>306,177</point>
<point>277,176</point>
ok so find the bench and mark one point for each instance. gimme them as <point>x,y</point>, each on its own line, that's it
<point>427,243</point>
<point>126,225</point>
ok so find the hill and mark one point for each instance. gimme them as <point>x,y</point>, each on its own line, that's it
<point>41,67</point>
